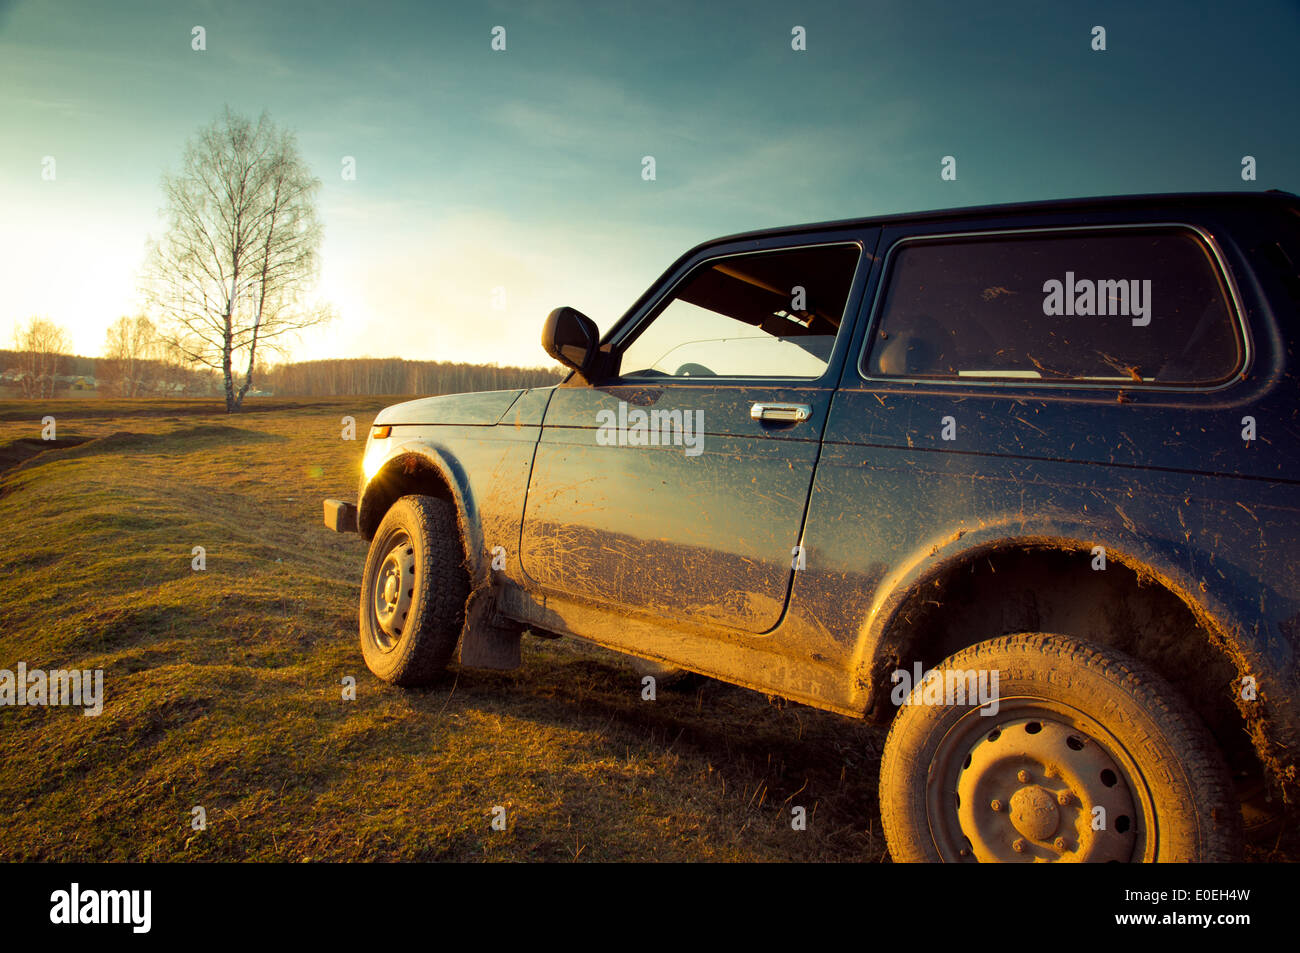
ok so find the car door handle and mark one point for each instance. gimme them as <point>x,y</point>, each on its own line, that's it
<point>789,413</point>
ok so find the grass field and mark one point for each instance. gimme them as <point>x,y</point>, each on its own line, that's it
<point>223,688</point>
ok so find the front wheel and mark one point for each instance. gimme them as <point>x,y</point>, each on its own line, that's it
<point>413,592</point>
<point>1085,755</point>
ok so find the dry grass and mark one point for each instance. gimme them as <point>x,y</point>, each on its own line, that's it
<point>223,688</point>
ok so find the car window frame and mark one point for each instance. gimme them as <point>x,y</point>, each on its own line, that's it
<point>625,332</point>
<point>1217,259</point>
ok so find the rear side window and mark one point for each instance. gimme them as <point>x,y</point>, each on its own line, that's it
<point>1130,307</point>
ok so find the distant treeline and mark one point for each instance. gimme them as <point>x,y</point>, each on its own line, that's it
<point>351,377</point>
<point>74,375</point>
<point>366,376</point>
<point>70,364</point>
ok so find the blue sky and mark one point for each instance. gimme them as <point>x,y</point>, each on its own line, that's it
<point>522,169</point>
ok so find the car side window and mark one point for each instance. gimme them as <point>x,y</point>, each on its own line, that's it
<point>1128,307</point>
<point>767,314</point>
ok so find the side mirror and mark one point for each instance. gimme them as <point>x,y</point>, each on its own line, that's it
<point>571,338</point>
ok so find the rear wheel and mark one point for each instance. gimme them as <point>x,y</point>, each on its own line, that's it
<point>1090,756</point>
<point>413,592</point>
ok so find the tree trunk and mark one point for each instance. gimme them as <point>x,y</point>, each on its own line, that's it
<point>231,406</point>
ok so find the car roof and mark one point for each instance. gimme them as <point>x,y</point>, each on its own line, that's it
<point>1271,198</point>
<point>1262,200</point>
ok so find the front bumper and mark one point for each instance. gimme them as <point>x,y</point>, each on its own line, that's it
<point>341,516</point>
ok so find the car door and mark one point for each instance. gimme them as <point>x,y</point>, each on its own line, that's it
<point>678,487</point>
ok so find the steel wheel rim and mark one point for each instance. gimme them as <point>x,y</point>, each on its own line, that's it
<point>392,593</point>
<point>977,763</point>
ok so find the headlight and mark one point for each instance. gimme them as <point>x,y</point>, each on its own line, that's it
<point>376,450</point>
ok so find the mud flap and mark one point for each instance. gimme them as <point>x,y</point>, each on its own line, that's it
<point>487,640</point>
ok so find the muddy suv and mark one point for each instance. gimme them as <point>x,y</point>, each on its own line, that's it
<point>1021,479</point>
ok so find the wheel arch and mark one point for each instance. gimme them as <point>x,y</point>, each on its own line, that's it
<point>921,605</point>
<point>424,468</point>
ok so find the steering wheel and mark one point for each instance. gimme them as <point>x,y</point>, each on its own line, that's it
<point>693,370</point>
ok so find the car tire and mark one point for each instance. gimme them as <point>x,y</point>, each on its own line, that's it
<point>1078,727</point>
<point>413,592</point>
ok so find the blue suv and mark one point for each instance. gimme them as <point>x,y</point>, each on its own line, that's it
<point>1021,480</point>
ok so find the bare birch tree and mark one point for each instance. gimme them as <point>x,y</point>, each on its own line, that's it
<point>131,348</point>
<point>40,345</point>
<point>230,278</point>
